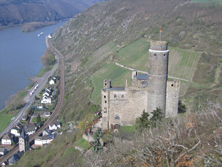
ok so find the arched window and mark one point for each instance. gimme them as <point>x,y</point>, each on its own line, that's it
<point>117,117</point>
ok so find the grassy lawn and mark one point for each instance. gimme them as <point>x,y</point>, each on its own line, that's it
<point>44,70</point>
<point>34,120</point>
<point>82,143</point>
<point>128,129</point>
<point>5,119</point>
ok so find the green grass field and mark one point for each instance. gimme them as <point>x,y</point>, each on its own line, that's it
<point>135,55</point>
<point>5,119</point>
<point>182,63</point>
<point>117,74</point>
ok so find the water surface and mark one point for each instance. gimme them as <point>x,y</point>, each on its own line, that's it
<point>20,58</point>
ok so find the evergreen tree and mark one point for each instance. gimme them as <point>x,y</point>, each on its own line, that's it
<point>157,116</point>
<point>181,107</point>
<point>143,121</point>
<point>38,119</point>
<point>96,143</point>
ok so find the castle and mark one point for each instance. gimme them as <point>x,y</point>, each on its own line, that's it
<point>122,105</point>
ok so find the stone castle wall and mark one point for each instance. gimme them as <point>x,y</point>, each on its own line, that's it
<point>173,89</point>
<point>123,107</point>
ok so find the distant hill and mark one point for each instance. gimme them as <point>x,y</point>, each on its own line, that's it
<point>16,12</point>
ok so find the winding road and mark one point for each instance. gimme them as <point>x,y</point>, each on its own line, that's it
<point>58,106</point>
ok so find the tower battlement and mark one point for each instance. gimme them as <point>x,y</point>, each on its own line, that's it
<point>158,45</point>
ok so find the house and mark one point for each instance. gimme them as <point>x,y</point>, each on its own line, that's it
<point>46,94</point>
<point>3,151</point>
<point>39,107</point>
<point>52,82</point>
<point>47,114</point>
<point>54,126</point>
<point>15,131</point>
<point>7,140</point>
<point>46,100</point>
<point>30,129</point>
<point>49,90</point>
<point>45,132</point>
<point>44,139</point>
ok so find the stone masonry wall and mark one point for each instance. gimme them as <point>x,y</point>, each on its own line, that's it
<point>173,88</point>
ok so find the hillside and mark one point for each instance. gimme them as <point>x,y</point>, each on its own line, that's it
<point>16,12</point>
<point>120,31</point>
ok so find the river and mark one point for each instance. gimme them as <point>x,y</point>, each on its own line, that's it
<point>20,58</point>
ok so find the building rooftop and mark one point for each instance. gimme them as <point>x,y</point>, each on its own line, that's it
<point>142,77</point>
<point>117,88</point>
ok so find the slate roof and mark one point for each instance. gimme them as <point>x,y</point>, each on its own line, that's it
<point>29,127</point>
<point>142,77</point>
<point>6,137</point>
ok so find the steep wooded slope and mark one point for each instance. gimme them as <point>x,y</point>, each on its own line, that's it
<point>15,12</point>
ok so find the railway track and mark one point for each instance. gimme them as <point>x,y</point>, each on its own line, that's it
<point>57,109</point>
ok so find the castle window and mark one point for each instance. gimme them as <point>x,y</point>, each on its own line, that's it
<point>105,110</point>
<point>154,54</point>
<point>122,96</point>
<point>172,85</point>
<point>117,117</point>
<point>105,101</point>
<point>104,96</point>
<point>114,95</point>
<point>105,83</point>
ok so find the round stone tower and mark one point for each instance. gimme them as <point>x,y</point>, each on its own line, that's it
<point>157,76</point>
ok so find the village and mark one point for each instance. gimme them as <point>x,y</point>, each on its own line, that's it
<point>40,110</point>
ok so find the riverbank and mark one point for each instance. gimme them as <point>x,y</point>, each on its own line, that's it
<point>23,96</point>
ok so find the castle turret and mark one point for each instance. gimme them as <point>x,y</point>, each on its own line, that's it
<point>158,73</point>
<point>107,84</point>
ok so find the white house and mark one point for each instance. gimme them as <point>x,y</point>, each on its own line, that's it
<point>39,107</point>
<point>54,126</point>
<point>30,129</point>
<point>46,100</point>
<point>43,140</point>
<point>46,94</point>
<point>15,131</point>
<point>6,140</point>
<point>3,151</point>
<point>52,82</point>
